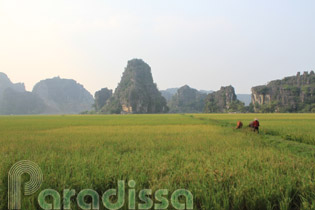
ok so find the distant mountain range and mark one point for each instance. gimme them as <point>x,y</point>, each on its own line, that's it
<point>170,92</point>
<point>137,93</point>
<point>245,98</point>
<point>50,96</point>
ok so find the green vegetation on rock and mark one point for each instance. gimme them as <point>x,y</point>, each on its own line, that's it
<point>291,94</point>
<point>101,97</point>
<point>136,92</point>
<point>223,100</point>
<point>187,100</point>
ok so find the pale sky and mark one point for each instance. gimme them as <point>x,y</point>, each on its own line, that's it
<point>203,43</point>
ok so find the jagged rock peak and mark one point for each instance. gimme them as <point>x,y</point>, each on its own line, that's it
<point>187,100</point>
<point>223,100</point>
<point>136,92</point>
<point>5,83</point>
<point>101,97</point>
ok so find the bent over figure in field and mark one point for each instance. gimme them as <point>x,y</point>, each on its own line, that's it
<point>239,125</point>
<point>254,125</point>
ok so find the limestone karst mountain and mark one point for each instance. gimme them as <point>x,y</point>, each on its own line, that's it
<point>101,97</point>
<point>223,100</point>
<point>291,94</point>
<point>136,92</point>
<point>64,96</point>
<point>187,100</point>
<point>14,99</point>
<point>5,83</point>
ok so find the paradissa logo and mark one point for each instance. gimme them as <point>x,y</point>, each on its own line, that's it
<point>36,179</point>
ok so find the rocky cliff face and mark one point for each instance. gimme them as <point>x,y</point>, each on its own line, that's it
<point>224,100</point>
<point>5,83</point>
<point>291,94</point>
<point>64,96</point>
<point>187,100</point>
<point>136,92</point>
<point>14,99</point>
<point>101,97</point>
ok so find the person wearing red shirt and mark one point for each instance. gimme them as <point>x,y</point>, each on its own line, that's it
<point>256,125</point>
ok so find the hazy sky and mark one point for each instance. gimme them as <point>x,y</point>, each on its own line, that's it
<point>205,44</point>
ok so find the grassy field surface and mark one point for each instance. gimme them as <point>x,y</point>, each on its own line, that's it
<point>224,168</point>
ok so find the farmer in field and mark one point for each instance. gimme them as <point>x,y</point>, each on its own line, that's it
<point>239,125</point>
<point>255,125</point>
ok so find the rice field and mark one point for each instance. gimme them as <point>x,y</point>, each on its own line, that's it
<point>294,127</point>
<point>222,167</point>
